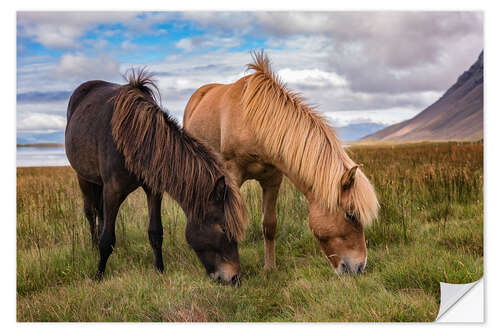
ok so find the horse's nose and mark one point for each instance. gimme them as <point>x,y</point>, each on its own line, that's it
<point>235,280</point>
<point>360,268</point>
<point>347,267</point>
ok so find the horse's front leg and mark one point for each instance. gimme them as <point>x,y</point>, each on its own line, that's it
<point>155,230</point>
<point>270,188</point>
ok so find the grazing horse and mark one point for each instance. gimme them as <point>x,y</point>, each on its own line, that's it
<point>265,131</point>
<point>117,139</point>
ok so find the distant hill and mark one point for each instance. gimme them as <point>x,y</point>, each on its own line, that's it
<point>354,132</point>
<point>457,115</point>
<point>40,145</point>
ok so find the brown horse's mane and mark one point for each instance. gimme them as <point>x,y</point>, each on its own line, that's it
<point>297,135</point>
<point>168,159</point>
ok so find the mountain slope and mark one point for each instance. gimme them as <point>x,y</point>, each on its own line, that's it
<point>457,115</point>
<point>354,132</point>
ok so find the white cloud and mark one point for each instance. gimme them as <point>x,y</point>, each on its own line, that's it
<point>238,22</point>
<point>41,122</point>
<point>376,51</point>
<point>198,42</point>
<point>128,45</point>
<point>54,108</point>
<point>381,67</point>
<point>99,43</point>
<point>63,29</point>
<point>185,44</point>
<point>311,77</point>
<point>382,116</point>
<point>41,75</point>
<point>222,42</point>
<point>59,37</point>
<point>82,67</point>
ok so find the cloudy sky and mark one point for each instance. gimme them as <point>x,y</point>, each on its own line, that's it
<point>357,67</point>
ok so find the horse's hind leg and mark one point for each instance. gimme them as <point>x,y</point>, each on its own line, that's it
<point>112,199</point>
<point>270,188</point>
<point>155,230</point>
<point>90,205</point>
<point>100,210</point>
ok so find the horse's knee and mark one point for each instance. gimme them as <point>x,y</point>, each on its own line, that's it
<point>269,228</point>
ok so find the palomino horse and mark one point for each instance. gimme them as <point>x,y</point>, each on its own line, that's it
<point>263,131</point>
<point>117,139</point>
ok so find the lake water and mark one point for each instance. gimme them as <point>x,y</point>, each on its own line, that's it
<point>35,156</point>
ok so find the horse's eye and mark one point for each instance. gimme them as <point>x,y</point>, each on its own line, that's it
<point>223,229</point>
<point>350,216</point>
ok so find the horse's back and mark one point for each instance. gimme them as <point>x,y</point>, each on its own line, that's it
<point>196,98</point>
<point>214,112</point>
<point>82,92</point>
<point>88,127</point>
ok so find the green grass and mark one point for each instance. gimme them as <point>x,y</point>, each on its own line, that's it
<point>430,229</point>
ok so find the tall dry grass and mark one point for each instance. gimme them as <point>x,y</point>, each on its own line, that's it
<point>430,229</point>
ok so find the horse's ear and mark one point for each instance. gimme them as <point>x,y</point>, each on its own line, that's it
<point>219,191</point>
<point>348,177</point>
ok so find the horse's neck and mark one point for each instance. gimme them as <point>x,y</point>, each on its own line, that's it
<point>315,206</point>
<point>296,180</point>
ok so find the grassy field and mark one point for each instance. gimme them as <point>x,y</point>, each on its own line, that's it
<point>430,229</point>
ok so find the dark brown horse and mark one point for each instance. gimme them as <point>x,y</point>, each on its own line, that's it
<point>118,139</point>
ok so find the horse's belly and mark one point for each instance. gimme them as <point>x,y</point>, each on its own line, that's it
<point>85,166</point>
<point>259,170</point>
<point>81,150</point>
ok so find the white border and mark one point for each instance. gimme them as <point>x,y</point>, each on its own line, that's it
<point>7,132</point>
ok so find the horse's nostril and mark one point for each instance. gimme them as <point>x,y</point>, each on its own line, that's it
<point>235,280</point>
<point>360,268</point>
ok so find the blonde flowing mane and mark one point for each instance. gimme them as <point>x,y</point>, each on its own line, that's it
<point>302,140</point>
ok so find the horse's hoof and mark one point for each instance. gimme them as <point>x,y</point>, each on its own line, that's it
<point>269,268</point>
<point>98,276</point>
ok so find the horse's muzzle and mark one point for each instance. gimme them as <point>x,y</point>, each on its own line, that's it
<point>235,280</point>
<point>346,267</point>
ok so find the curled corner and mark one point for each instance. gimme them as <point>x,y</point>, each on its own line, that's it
<point>459,304</point>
